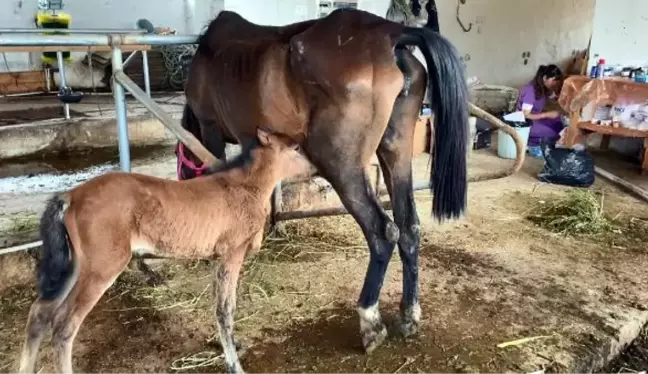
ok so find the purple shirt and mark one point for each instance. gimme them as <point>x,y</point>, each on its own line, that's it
<point>540,128</point>
<point>527,96</point>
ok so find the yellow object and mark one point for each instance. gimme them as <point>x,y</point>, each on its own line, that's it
<point>51,20</point>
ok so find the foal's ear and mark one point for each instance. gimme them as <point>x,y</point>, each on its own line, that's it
<point>264,136</point>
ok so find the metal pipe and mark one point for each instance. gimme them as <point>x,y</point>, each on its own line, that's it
<point>129,59</point>
<point>157,39</point>
<point>147,78</point>
<point>120,110</point>
<point>11,40</point>
<point>22,247</point>
<point>183,135</point>
<point>277,200</point>
<point>71,31</point>
<point>337,211</point>
<point>61,68</point>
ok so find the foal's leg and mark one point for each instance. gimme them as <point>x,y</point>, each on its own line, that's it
<point>40,317</point>
<point>94,279</point>
<point>225,281</point>
<point>395,157</point>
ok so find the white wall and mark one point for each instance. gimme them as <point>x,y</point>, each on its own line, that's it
<point>620,32</point>
<point>503,29</point>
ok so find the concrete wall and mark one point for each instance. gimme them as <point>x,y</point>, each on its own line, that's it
<point>551,30</point>
<point>620,31</point>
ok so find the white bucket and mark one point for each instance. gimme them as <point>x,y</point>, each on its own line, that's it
<point>506,144</point>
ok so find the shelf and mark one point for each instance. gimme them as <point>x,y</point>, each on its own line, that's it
<point>609,130</point>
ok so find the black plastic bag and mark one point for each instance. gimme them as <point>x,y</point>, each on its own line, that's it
<point>566,166</point>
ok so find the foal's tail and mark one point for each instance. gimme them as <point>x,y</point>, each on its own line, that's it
<point>56,267</point>
<point>449,99</point>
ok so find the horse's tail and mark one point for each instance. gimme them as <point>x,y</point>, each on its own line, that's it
<point>449,99</point>
<point>56,271</point>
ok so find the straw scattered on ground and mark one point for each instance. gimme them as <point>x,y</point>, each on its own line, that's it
<point>579,212</point>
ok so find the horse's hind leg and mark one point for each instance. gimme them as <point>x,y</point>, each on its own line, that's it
<point>225,281</point>
<point>336,158</point>
<point>395,157</point>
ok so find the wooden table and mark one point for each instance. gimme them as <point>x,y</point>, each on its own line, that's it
<point>578,91</point>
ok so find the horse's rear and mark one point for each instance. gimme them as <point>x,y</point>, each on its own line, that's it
<point>347,88</point>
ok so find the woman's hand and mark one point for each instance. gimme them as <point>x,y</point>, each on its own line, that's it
<point>551,115</point>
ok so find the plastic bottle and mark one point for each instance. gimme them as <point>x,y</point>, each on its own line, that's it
<point>600,68</point>
<point>594,71</point>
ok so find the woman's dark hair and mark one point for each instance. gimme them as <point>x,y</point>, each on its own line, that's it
<point>548,71</point>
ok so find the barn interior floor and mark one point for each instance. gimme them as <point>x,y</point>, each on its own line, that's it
<point>490,278</point>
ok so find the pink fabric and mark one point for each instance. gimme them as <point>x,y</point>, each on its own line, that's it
<point>184,161</point>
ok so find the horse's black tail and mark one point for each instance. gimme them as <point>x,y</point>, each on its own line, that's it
<point>449,99</point>
<point>56,266</point>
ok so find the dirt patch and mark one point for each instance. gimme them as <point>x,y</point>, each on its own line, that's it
<point>492,278</point>
<point>14,117</point>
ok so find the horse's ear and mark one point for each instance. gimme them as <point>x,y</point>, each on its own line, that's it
<point>264,136</point>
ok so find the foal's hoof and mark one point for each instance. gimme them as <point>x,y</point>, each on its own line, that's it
<point>154,279</point>
<point>371,339</point>
<point>391,232</point>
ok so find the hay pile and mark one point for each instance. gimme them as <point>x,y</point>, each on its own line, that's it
<point>578,213</point>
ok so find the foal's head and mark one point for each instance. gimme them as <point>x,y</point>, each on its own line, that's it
<point>279,153</point>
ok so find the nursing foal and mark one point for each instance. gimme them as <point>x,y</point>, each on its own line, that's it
<point>91,232</point>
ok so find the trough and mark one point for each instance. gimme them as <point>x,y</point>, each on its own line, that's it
<point>58,135</point>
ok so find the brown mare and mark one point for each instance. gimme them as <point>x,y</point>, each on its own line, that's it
<point>91,232</point>
<point>345,87</point>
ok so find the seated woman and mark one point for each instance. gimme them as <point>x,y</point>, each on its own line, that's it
<point>533,97</point>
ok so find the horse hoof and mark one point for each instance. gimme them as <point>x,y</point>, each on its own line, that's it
<point>408,327</point>
<point>408,324</point>
<point>374,338</point>
<point>391,232</point>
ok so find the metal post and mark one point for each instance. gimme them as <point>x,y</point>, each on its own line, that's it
<point>120,110</point>
<point>61,66</point>
<point>147,79</point>
<point>277,201</point>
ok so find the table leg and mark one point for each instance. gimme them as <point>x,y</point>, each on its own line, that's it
<point>605,142</point>
<point>573,132</point>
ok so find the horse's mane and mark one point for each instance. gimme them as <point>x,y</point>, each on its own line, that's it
<point>239,162</point>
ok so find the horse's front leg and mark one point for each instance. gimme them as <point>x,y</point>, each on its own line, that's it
<point>225,281</point>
